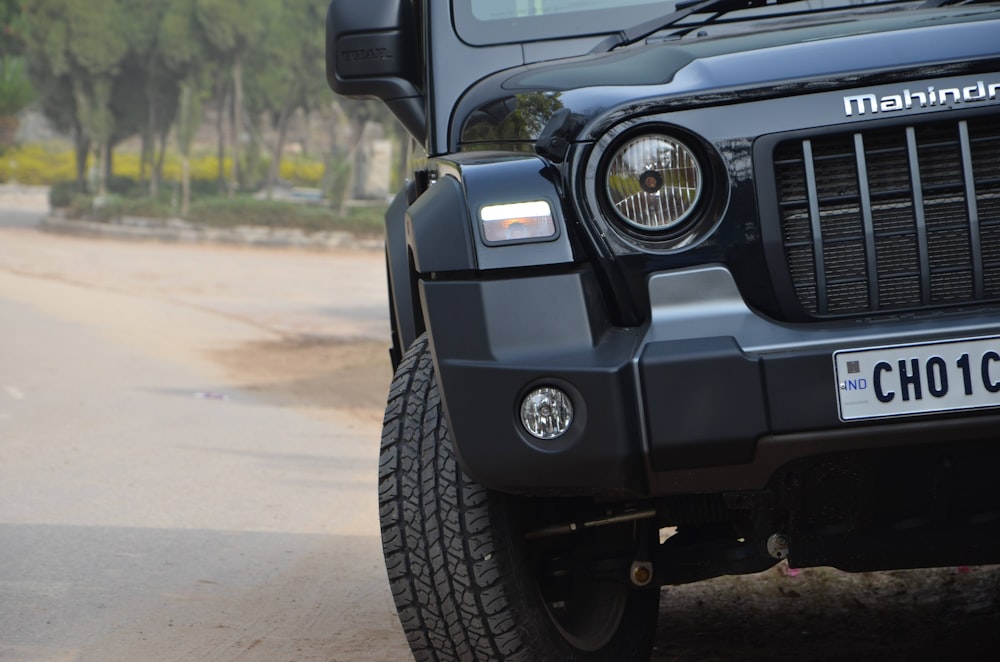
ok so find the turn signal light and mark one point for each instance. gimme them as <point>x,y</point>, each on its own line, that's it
<point>517,222</point>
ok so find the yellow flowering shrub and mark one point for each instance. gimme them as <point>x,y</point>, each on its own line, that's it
<point>37,165</point>
<point>46,164</point>
<point>301,172</point>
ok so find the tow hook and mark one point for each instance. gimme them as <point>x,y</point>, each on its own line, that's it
<point>777,546</point>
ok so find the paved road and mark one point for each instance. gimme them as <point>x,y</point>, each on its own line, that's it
<point>160,502</point>
<point>18,218</point>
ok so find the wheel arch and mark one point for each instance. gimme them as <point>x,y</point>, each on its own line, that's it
<point>405,315</point>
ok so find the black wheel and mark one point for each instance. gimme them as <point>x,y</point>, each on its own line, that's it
<point>466,582</point>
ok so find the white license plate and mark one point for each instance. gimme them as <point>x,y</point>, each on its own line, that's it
<point>918,379</point>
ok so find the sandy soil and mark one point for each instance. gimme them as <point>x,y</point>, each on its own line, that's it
<point>314,374</point>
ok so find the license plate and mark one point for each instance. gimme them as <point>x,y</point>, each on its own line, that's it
<point>917,379</point>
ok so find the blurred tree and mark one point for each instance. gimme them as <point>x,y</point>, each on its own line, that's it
<point>11,27</point>
<point>233,28</point>
<point>176,58</point>
<point>156,83</point>
<point>85,46</point>
<point>107,70</point>
<point>55,99</point>
<point>188,121</point>
<point>288,72</point>
<point>16,91</point>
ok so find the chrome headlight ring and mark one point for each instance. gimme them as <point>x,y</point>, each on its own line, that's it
<point>653,182</point>
<point>655,185</point>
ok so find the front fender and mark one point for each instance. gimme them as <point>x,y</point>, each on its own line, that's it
<point>443,229</point>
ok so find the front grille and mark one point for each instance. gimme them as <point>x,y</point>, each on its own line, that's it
<point>892,219</point>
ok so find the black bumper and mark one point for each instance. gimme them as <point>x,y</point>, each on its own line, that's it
<point>706,397</point>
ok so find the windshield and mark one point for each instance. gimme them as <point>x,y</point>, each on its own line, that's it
<point>488,10</point>
<point>484,22</point>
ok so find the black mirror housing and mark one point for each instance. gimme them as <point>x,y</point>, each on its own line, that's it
<point>372,52</point>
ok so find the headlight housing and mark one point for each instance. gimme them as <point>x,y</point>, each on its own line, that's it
<point>654,183</point>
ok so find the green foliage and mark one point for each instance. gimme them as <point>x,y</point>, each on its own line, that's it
<point>121,206</point>
<point>223,212</point>
<point>232,212</point>
<point>288,70</point>
<point>16,91</point>
<point>11,28</point>
<point>80,205</point>
<point>61,194</point>
<point>107,70</point>
<point>188,117</point>
<point>234,26</point>
<point>336,180</point>
<point>178,41</point>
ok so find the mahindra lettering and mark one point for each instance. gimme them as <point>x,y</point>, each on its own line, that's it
<point>678,291</point>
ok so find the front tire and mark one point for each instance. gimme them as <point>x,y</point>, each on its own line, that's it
<point>466,584</point>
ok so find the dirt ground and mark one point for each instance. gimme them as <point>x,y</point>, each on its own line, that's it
<point>314,374</point>
<point>813,614</point>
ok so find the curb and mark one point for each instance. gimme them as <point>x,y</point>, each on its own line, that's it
<point>178,231</point>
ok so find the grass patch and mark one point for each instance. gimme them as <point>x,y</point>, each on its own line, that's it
<point>220,211</point>
<point>225,212</point>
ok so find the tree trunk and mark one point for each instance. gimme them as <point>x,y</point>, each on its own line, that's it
<point>8,130</point>
<point>81,149</point>
<point>147,139</point>
<point>109,162</point>
<point>149,149</point>
<point>83,126</point>
<point>222,103</point>
<point>158,166</point>
<point>185,185</point>
<point>102,160</point>
<point>283,121</point>
<point>351,157</point>
<point>237,170</point>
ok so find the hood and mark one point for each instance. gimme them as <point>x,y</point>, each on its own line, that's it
<point>515,105</point>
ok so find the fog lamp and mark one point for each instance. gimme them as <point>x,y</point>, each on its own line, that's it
<point>517,222</point>
<point>547,413</point>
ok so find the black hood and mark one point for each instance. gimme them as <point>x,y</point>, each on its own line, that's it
<point>516,104</point>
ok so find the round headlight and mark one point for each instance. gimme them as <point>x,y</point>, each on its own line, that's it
<point>654,182</point>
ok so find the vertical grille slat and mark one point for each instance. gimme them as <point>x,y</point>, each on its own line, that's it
<point>892,219</point>
<point>975,237</point>
<point>917,191</point>
<point>864,191</point>
<point>815,225</point>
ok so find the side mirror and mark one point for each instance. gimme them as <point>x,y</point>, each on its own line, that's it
<point>372,52</point>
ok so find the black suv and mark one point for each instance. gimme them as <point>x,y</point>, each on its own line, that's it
<point>679,290</point>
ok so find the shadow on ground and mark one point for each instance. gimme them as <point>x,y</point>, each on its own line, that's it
<point>823,614</point>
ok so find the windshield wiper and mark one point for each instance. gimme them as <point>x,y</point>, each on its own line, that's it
<point>682,10</point>
<point>946,3</point>
<point>717,8</point>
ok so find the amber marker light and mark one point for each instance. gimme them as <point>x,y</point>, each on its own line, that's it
<point>517,222</point>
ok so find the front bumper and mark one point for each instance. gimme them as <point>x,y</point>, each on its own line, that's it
<point>707,396</point>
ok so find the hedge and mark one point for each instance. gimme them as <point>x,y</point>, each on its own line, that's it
<point>39,165</point>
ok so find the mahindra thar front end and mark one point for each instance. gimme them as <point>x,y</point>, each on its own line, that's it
<point>679,290</point>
